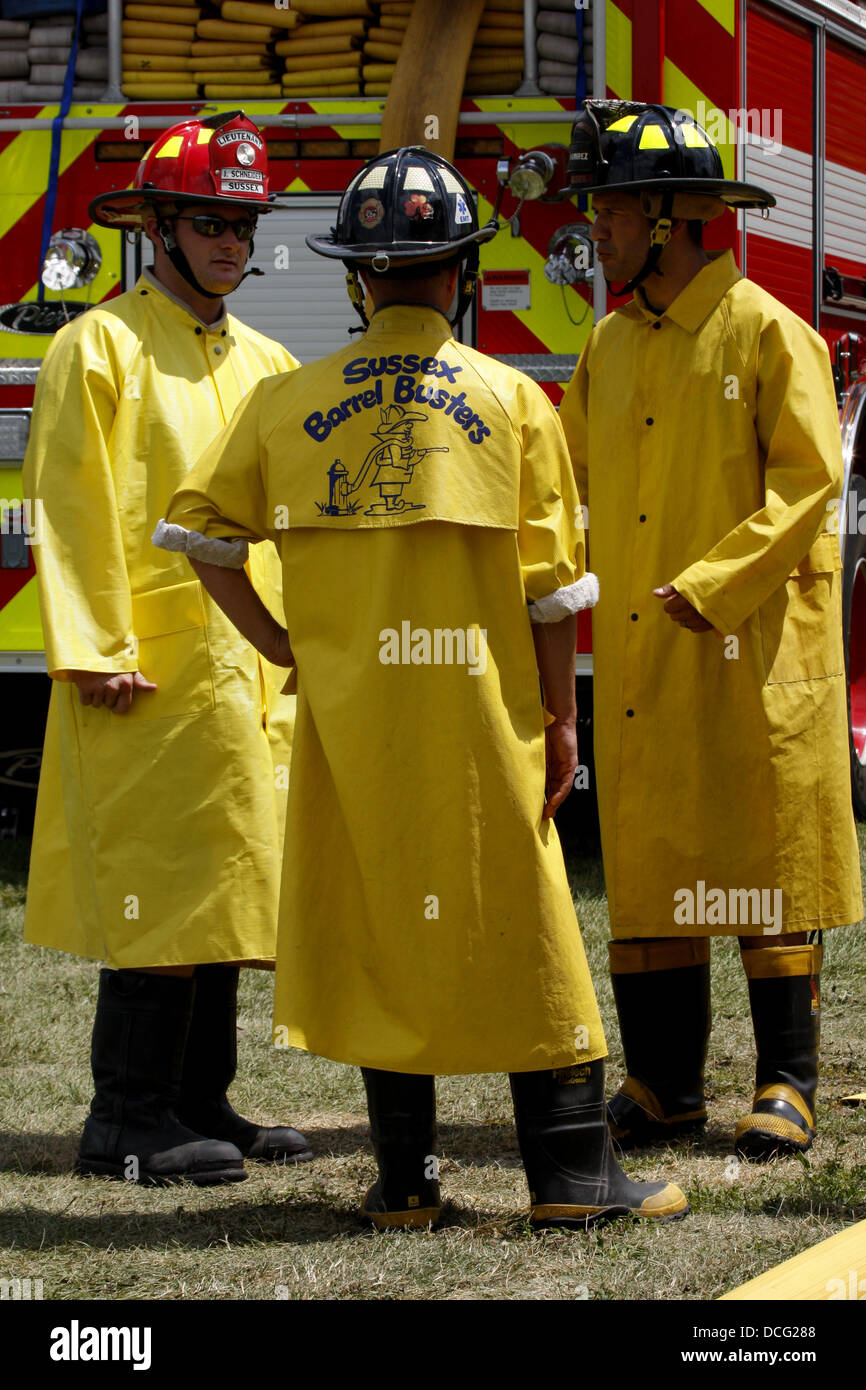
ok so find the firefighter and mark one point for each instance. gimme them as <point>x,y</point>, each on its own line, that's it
<point>426,921</point>
<point>160,809</point>
<point>703,430</point>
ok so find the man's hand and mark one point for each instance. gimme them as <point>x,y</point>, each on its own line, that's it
<point>680,611</point>
<point>281,654</point>
<point>560,747</point>
<point>103,690</point>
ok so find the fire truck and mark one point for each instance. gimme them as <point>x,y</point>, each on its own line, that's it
<point>778,84</point>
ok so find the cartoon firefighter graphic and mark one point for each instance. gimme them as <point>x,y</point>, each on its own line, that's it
<point>394,458</point>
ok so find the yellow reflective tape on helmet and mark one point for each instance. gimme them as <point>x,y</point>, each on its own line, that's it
<point>171,149</point>
<point>653,138</point>
<point>204,135</point>
<point>624,123</point>
<point>693,137</point>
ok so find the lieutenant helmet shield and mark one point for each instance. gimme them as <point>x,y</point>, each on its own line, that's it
<point>218,159</point>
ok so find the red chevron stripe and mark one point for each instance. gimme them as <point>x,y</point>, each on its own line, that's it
<point>703,50</point>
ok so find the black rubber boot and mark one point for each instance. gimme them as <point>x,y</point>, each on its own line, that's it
<point>662,994</point>
<point>574,1178</point>
<point>402,1112</point>
<point>209,1067</point>
<point>132,1130</point>
<point>784,993</point>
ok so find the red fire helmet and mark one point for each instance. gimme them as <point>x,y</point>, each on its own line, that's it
<point>221,159</point>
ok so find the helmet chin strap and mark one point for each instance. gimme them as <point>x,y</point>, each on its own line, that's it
<point>467,277</point>
<point>183,267</point>
<point>659,238</point>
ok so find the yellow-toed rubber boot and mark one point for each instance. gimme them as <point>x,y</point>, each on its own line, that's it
<point>784,993</point>
<point>662,994</point>
<point>402,1112</point>
<point>574,1179</point>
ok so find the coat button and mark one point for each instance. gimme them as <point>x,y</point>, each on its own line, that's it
<point>650,420</point>
<point>198,330</point>
<point>657,326</point>
<point>142,291</point>
<point>223,334</point>
<point>217,349</point>
<point>630,713</point>
<point>642,517</point>
<point>634,617</point>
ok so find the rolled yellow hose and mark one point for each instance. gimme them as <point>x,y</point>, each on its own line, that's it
<point>139,29</point>
<point>153,62</point>
<point>313,63</point>
<point>150,92</point>
<point>332,43</point>
<point>165,14</point>
<point>334,8</point>
<point>250,79</point>
<point>150,46</point>
<point>388,52</point>
<point>245,62</point>
<point>214,49</point>
<point>336,89</point>
<point>226,93</point>
<point>300,81</point>
<point>242,12</point>
<point>242,33</point>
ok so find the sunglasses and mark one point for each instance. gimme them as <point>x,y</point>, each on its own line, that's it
<point>211,225</point>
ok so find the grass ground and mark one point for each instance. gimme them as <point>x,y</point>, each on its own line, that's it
<point>293,1234</point>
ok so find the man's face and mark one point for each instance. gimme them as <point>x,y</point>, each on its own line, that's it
<point>621,234</point>
<point>217,262</point>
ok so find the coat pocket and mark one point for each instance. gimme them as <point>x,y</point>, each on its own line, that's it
<point>801,623</point>
<point>170,626</point>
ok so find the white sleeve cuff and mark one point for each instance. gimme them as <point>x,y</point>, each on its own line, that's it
<point>212,550</point>
<point>563,602</point>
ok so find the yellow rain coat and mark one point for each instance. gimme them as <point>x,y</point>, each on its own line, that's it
<point>157,832</point>
<point>706,446</point>
<point>420,495</point>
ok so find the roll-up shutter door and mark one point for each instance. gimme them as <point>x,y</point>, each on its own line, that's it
<point>780,94</point>
<point>845,168</point>
<point>301,300</point>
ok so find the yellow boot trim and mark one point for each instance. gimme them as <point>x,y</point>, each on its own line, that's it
<point>777,1090</point>
<point>412,1220</point>
<point>670,1201</point>
<point>647,1100</point>
<point>781,962</point>
<point>773,1124</point>
<point>675,953</point>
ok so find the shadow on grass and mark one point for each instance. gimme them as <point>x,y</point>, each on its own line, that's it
<point>288,1221</point>
<point>467,1144</point>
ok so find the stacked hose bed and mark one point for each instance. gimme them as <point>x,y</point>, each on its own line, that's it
<point>34,56</point>
<point>558,45</point>
<point>495,61</point>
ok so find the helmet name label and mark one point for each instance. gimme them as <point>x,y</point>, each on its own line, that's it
<point>233,137</point>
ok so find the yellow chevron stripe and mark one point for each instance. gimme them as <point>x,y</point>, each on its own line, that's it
<point>24,162</point>
<point>20,624</point>
<point>618,52</point>
<point>722,11</point>
<point>528,137</point>
<point>682,93</point>
<point>547,318</point>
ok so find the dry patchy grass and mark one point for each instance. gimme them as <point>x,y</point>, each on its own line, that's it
<point>293,1233</point>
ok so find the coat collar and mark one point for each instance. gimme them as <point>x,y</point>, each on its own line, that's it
<point>696,302</point>
<point>409,318</point>
<point>149,281</point>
